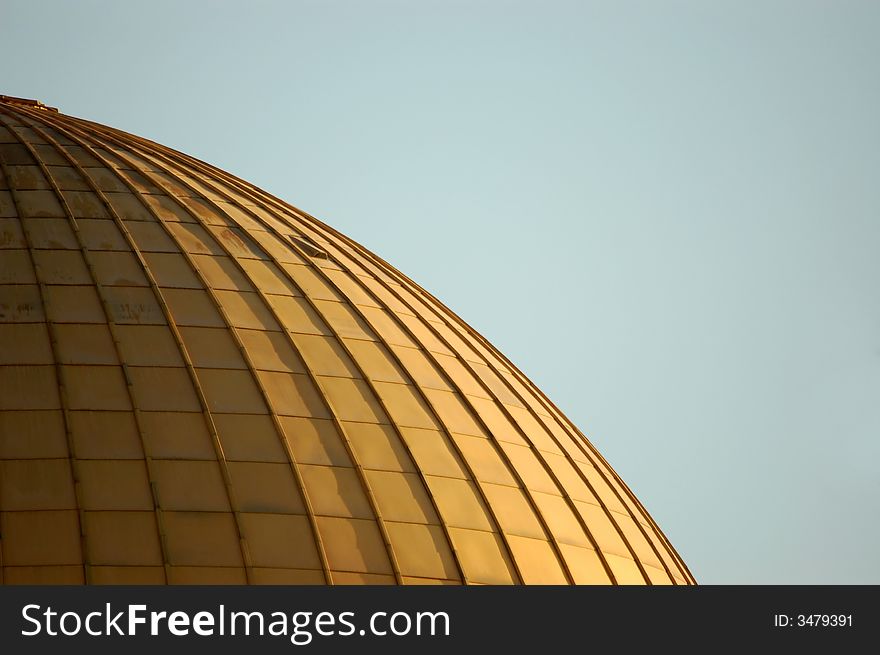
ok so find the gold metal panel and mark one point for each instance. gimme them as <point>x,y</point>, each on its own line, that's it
<point>354,293</point>
<point>105,179</point>
<point>420,368</point>
<point>281,540</point>
<point>484,459</point>
<point>493,417</point>
<point>433,453</point>
<point>378,447</point>
<point>569,478</point>
<point>122,538</point>
<point>11,236</point>
<point>172,270</point>
<point>657,576</point>
<point>129,207</point>
<point>212,348</point>
<point>26,177</point>
<point>296,315</point>
<point>335,491</point>
<point>636,540</point>
<point>191,307</point>
<point>15,154</point>
<point>38,204</point>
<point>177,435</point>
<point>120,484</point>
<point>147,345</point>
<point>43,575</point>
<point>601,487</point>
<point>385,326</point>
<point>482,557</point>
<point>496,385</point>
<point>537,434</point>
<point>32,434</point>
<point>422,551</point>
<point>561,520</point>
<point>348,578</point>
<point>512,509</point>
<point>249,437</point>
<point>150,237</point>
<point>453,412</point>
<point>40,538</point>
<point>353,400</point>
<point>195,239</point>
<point>268,576</point>
<point>66,177</point>
<point>163,389</point>
<point>84,204</point>
<point>603,531</point>
<point>325,356</point>
<point>7,206</point>
<point>74,305</point>
<point>406,407</point>
<point>221,273</point>
<point>292,394</point>
<point>117,269</point>
<point>529,468</point>
<point>85,344</point>
<point>269,278</point>
<point>409,580</point>
<point>265,488</point>
<point>28,387</point>
<point>339,534</point>
<point>343,320</point>
<point>536,560</point>
<point>36,484</point>
<point>127,575</point>
<point>459,503</point>
<point>17,268</point>
<point>234,240</point>
<point>167,209</point>
<point>625,570</point>
<point>183,485</point>
<point>133,306</point>
<point>315,441</point>
<point>105,435</point>
<point>464,380</point>
<point>310,283</point>
<point>231,392</point>
<point>246,310</point>
<point>584,564</point>
<point>375,360</point>
<point>25,343</point>
<point>275,248</point>
<point>101,234</point>
<point>21,304</point>
<point>401,497</point>
<point>52,234</point>
<point>271,351</point>
<point>202,539</point>
<point>206,575</point>
<point>423,335</point>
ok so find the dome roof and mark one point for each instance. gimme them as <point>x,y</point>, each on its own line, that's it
<point>200,383</point>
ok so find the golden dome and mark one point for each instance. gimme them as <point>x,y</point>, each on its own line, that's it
<point>200,383</point>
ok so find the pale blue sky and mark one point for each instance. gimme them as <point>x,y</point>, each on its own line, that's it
<point>666,213</point>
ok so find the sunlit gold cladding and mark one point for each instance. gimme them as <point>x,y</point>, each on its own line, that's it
<point>200,383</point>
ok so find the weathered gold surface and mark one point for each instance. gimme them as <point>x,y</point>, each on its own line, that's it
<point>202,384</point>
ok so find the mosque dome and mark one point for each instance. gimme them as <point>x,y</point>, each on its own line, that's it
<point>200,383</point>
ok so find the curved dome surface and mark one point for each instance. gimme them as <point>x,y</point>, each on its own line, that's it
<point>200,383</point>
